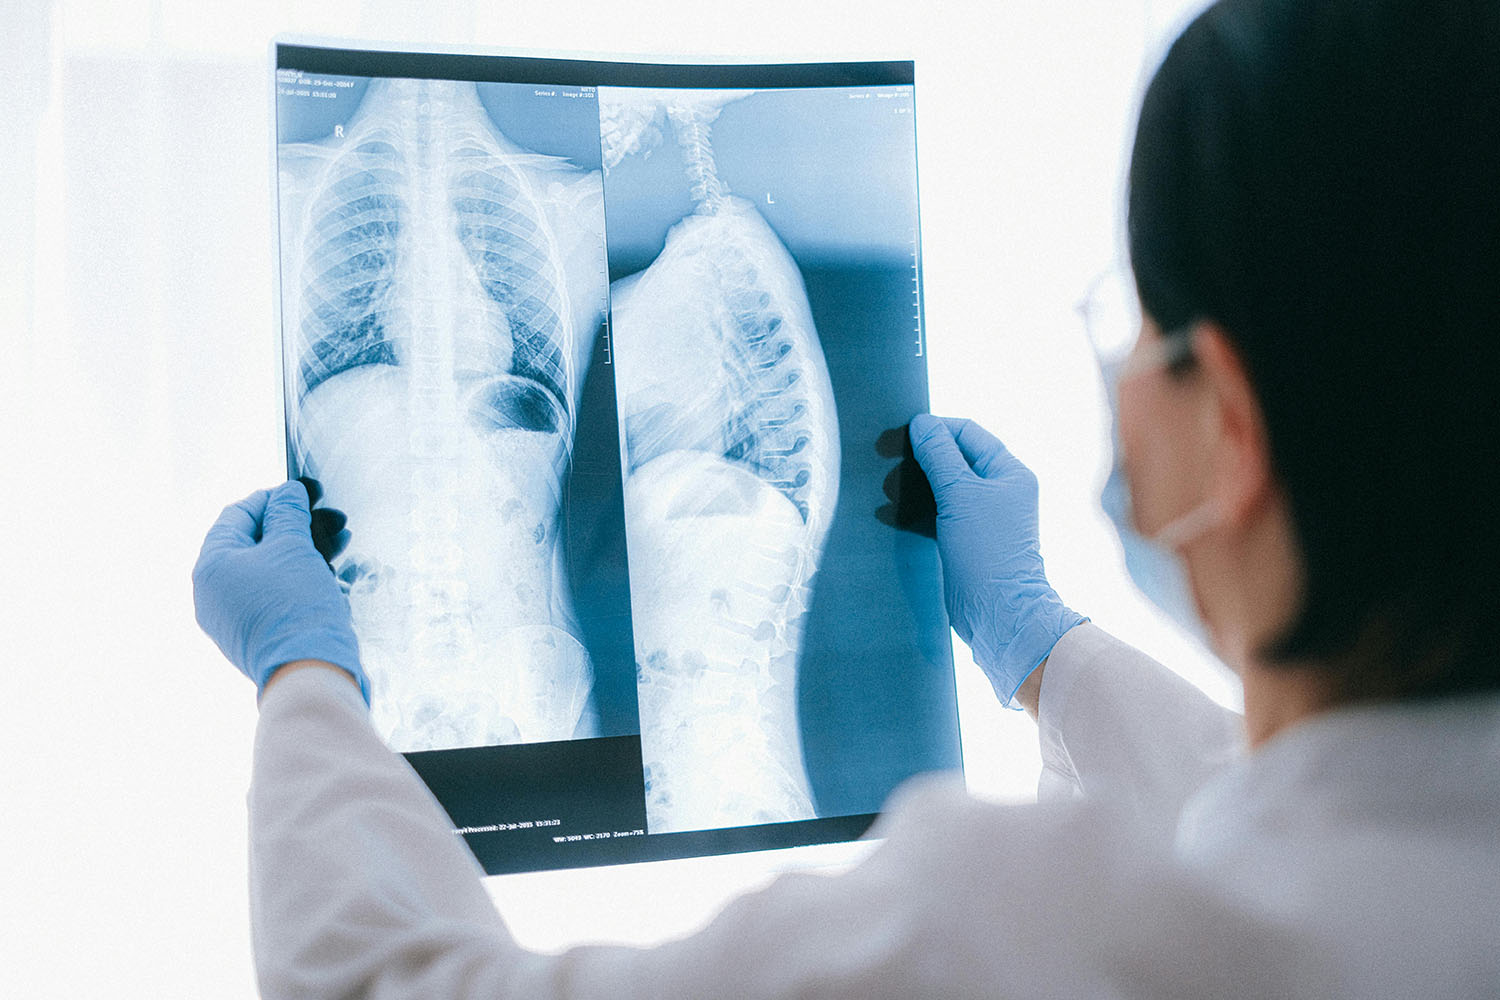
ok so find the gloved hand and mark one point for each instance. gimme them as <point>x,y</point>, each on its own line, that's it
<point>265,596</point>
<point>328,534</point>
<point>994,584</point>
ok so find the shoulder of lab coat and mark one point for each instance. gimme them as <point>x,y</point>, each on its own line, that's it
<point>1378,824</point>
<point>359,888</point>
<point>1114,723</point>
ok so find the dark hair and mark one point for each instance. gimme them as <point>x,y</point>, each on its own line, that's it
<point>1322,179</point>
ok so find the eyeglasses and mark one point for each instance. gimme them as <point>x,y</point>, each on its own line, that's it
<point>1111,313</point>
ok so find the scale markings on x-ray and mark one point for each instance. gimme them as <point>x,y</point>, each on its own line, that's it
<point>916,293</point>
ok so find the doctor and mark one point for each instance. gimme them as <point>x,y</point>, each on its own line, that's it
<point>1308,429</point>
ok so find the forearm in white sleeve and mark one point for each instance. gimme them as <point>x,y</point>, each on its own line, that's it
<point>360,889</point>
<point>1114,722</point>
<point>358,886</point>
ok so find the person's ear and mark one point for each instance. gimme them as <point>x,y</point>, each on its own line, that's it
<point>1240,454</point>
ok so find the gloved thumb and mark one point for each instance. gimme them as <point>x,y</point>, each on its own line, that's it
<point>937,452</point>
<point>287,511</point>
<point>985,453</point>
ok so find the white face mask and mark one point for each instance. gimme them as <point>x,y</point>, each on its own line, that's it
<point>1153,562</point>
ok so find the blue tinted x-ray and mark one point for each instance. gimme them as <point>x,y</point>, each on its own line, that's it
<point>603,362</point>
<point>441,302</point>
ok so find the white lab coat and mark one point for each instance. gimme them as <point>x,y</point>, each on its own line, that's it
<point>1356,854</point>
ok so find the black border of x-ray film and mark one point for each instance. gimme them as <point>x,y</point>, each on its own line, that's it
<point>497,856</point>
<point>589,73</point>
<point>506,803</point>
<point>505,800</point>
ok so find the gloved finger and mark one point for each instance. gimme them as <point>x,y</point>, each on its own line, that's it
<point>239,524</point>
<point>893,442</point>
<point>328,534</point>
<point>330,547</point>
<point>287,510</point>
<point>314,489</point>
<point>912,506</point>
<point>937,452</point>
<point>327,522</point>
<point>984,452</point>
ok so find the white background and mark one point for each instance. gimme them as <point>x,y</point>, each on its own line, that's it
<point>138,395</point>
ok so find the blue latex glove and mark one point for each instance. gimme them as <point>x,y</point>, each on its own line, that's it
<point>994,584</point>
<point>265,596</point>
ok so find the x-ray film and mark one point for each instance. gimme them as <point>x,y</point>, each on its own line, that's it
<point>608,364</point>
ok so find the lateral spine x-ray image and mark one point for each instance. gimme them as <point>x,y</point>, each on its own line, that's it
<point>449,288</point>
<point>731,450</point>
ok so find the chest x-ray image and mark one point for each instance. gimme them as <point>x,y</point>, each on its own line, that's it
<point>446,286</point>
<point>598,361</point>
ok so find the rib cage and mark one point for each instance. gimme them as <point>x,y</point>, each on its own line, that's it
<point>728,360</point>
<point>516,263</point>
<point>351,257</point>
